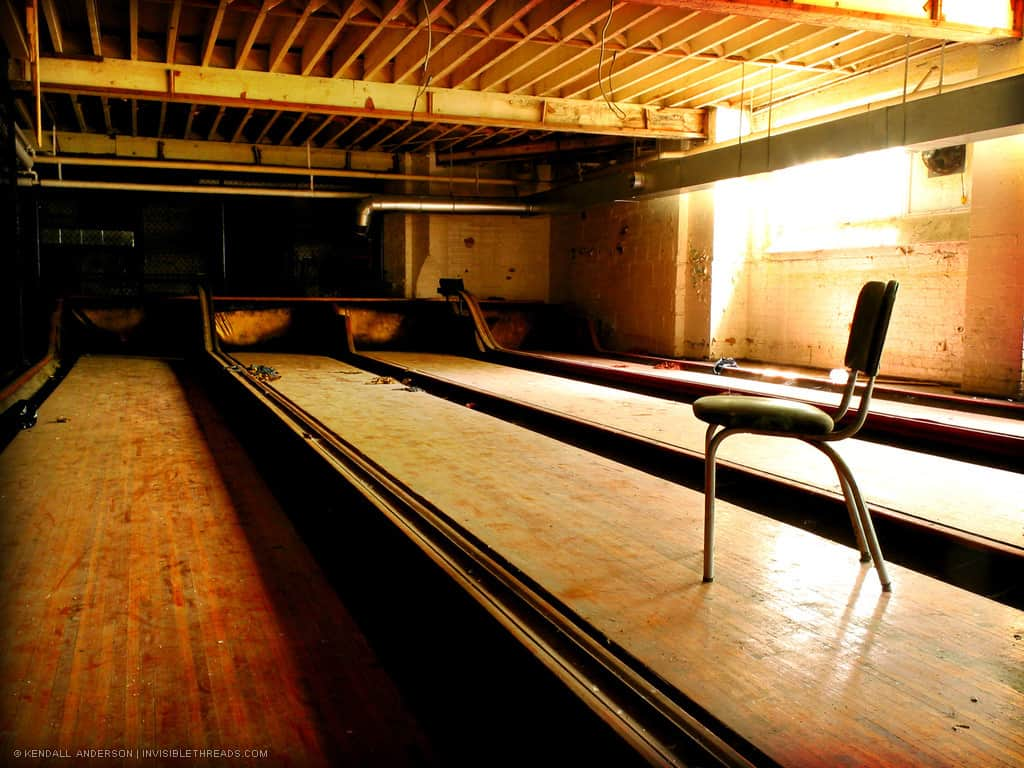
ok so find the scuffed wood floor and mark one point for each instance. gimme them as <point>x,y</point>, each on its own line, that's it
<point>154,596</point>
<point>794,646</point>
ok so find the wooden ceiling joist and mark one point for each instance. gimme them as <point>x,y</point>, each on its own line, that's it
<point>13,31</point>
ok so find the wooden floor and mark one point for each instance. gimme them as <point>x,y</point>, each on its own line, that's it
<point>794,646</point>
<point>979,500</point>
<point>154,596</point>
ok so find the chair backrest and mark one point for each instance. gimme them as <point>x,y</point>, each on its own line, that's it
<point>870,325</point>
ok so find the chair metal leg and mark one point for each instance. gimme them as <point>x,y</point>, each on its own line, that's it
<point>868,528</point>
<point>854,512</point>
<point>711,443</point>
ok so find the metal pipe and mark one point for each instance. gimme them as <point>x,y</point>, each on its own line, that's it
<point>22,152</point>
<point>444,205</point>
<point>202,190</point>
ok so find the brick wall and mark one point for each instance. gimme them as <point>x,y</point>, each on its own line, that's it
<point>995,285</point>
<point>618,263</point>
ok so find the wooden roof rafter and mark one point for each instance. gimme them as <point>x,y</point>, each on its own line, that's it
<point>568,21</point>
<point>501,17</point>
<point>350,47</point>
<point>646,31</point>
<point>828,42</point>
<point>568,57</point>
<point>412,59</point>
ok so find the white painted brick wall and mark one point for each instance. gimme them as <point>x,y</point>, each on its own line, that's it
<point>800,306</point>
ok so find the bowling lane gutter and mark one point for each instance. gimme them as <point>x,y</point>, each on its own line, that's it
<point>914,542</point>
<point>660,723</point>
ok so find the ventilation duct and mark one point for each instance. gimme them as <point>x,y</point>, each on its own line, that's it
<point>21,149</point>
<point>945,160</point>
<point>444,205</point>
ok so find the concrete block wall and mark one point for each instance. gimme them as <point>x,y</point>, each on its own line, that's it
<point>618,263</point>
<point>995,283</point>
<point>501,256</point>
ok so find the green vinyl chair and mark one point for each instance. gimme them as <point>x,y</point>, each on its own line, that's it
<point>735,414</point>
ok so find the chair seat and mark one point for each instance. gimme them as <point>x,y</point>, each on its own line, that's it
<point>764,414</point>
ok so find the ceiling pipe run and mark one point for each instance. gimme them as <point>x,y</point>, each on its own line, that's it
<point>386,204</point>
<point>190,189</point>
<point>21,149</point>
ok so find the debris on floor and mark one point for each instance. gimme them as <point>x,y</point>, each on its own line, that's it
<point>722,363</point>
<point>263,373</point>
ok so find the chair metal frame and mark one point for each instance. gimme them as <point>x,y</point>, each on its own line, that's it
<point>864,349</point>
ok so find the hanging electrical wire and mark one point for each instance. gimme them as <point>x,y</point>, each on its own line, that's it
<point>615,108</point>
<point>771,99</point>
<point>425,78</point>
<point>739,128</point>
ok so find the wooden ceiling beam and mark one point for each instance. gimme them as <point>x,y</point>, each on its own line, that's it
<point>240,129</point>
<point>378,56</point>
<point>265,90</point>
<point>265,131</point>
<point>193,110</point>
<point>299,120</point>
<point>673,39</point>
<point>542,13</point>
<point>108,123</point>
<point>133,30</point>
<point>353,46</point>
<point>699,43</point>
<point>342,131</point>
<point>287,31</point>
<point>319,129</point>
<point>322,36</point>
<point>549,78</point>
<point>212,31</point>
<point>648,35</point>
<point>53,25</point>
<point>76,107</point>
<point>411,59</point>
<point>568,19</point>
<point>173,20</point>
<point>92,12</point>
<point>250,31</point>
<point>821,40</point>
<point>212,133</point>
<point>833,14</point>
<point>13,30</point>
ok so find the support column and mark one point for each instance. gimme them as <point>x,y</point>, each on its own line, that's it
<point>994,324</point>
<point>693,278</point>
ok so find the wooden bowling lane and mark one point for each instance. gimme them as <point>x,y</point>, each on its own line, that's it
<point>778,384</point>
<point>991,435</point>
<point>794,646</point>
<point>963,496</point>
<point>154,595</point>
